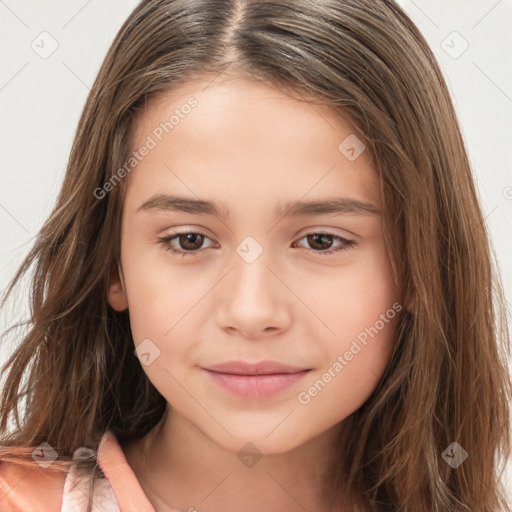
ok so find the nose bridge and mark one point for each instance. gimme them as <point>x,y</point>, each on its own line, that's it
<point>253,301</point>
<point>250,263</point>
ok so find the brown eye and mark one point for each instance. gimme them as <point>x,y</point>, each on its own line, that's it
<point>322,242</point>
<point>185,243</point>
<point>190,241</point>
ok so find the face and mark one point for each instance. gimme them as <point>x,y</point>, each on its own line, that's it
<point>242,268</point>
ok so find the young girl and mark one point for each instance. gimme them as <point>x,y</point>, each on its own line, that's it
<point>334,340</point>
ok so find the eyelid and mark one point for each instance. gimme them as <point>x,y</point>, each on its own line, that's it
<point>344,233</point>
<point>346,243</point>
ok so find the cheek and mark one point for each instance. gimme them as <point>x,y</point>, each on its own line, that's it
<point>159,302</point>
<point>361,309</point>
<point>354,363</point>
<point>343,386</point>
<point>350,298</point>
<point>159,293</point>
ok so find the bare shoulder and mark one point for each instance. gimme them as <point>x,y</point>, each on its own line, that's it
<point>27,488</point>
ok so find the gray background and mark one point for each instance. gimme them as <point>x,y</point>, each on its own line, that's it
<point>41,97</point>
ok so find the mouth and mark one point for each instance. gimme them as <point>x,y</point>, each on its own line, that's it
<point>256,385</point>
<point>260,368</point>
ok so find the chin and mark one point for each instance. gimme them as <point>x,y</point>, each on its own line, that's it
<point>257,439</point>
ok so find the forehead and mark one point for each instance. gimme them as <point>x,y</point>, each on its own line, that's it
<point>235,139</point>
<point>249,109</point>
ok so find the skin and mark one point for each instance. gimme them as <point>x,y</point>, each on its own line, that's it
<point>252,148</point>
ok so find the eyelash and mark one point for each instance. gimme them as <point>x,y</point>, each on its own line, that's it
<point>165,241</point>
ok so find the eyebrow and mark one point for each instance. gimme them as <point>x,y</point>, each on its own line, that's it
<point>339,206</point>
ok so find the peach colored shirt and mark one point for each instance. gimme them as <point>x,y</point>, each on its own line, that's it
<point>37,490</point>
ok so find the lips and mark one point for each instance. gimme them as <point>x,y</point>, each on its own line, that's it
<point>255,380</point>
<point>260,368</point>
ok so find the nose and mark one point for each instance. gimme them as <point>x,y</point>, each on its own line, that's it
<point>252,300</point>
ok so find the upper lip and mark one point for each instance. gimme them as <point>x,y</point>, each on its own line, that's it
<point>260,368</point>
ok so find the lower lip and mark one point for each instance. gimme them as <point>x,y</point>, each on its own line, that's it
<point>256,386</point>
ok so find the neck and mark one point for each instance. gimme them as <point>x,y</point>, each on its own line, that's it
<point>178,467</point>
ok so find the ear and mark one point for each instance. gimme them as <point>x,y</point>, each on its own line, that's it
<point>116,295</point>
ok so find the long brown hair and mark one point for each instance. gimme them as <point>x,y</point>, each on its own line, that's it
<point>447,380</point>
